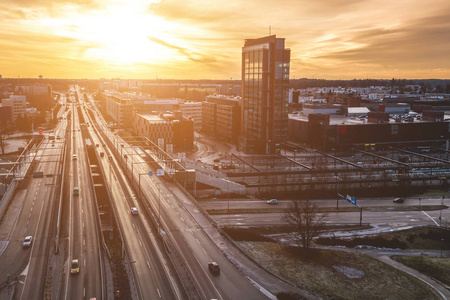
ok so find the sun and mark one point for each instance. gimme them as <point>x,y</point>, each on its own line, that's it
<point>120,34</point>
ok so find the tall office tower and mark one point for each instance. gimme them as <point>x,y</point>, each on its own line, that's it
<point>265,94</point>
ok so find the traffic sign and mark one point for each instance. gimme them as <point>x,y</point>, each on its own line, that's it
<point>160,172</point>
<point>150,173</point>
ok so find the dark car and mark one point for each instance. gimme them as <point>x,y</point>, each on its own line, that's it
<point>399,200</point>
<point>214,268</point>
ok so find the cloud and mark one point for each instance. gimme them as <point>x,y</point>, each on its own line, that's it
<point>421,43</point>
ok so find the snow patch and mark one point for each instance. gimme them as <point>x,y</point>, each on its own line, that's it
<point>349,272</point>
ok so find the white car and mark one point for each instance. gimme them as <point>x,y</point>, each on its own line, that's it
<point>272,201</point>
<point>74,156</point>
<point>134,211</point>
<point>27,241</point>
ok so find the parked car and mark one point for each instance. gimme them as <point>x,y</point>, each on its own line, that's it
<point>272,201</point>
<point>27,241</point>
<point>75,267</point>
<point>134,211</point>
<point>74,156</point>
<point>399,200</point>
<point>76,191</point>
<point>214,268</point>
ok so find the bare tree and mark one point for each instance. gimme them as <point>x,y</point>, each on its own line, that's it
<point>305,221</point>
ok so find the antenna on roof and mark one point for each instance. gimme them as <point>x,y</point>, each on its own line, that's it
<point>270,30</point>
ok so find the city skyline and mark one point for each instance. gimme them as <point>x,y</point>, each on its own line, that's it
<point>343,39</point>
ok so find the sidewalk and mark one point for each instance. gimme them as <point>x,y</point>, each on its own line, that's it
<point>437,286</point>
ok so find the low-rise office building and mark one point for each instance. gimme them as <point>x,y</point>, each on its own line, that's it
<point>165,129</point>
<point>221,117</point>
<point>325,132</point>
<point>193,110</point>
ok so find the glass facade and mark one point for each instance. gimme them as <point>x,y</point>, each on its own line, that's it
<point>265,76</point>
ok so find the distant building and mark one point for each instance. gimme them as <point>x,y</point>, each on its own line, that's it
<point>35,89</point>
<point>265,93</point>
<point>18,104</point>
<point>173,128</point>
<point>221,117</point>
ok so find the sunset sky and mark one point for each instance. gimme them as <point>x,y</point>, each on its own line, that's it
<point>203,39</point>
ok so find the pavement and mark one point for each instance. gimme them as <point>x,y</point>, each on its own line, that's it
<point>442,289</point>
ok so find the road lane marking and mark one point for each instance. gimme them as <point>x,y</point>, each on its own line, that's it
<point>182,219</point>
<point>197,241</point>
<point>84,292</point>
<point>85,261</point>
<point>148,264</point>
<point>83,224</point>
<point>140,242</point>
<point>134,226</point>
<point>204,250</point>
<point>430,218</point>
<point>84,242</point>
<point>159,293</point>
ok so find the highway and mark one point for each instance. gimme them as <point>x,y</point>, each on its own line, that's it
<point>151,268</point>
<point>84,241</point>
<point>32,213</point>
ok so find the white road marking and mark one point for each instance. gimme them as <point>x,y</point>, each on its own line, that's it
<point>430,218</point>
<point>140,243</point>
<point>197,241</point>
<point>159,293</point>
<point>182,219</point>
<point>148,264</point>
<point>204,250</point>
<point>84,292</point>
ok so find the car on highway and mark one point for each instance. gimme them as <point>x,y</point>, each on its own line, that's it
<point>76,191</point>
<point>27,241</point>
<point>74,156</point>
<point>398,200</point>
<point>75,267</point>
<point>214,268</point>
<point>134,211</point>
<point>272,201</point>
